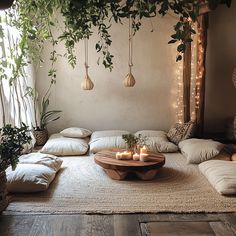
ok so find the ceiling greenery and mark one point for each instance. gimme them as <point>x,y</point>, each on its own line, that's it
<point>38,19</point>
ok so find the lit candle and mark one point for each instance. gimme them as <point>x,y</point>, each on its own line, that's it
<point>118,156</point>
<point>136,157</point>
<point>126,155</point>
<point>144,157</point>
<point>143,150</point>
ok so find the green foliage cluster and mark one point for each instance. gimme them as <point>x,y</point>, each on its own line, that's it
<point>12,141</point>
<point>37,20</point>
<point>132,141</point>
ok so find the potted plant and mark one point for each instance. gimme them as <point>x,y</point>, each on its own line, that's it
<point>42,117</point>
<point>12,141</point>
<point>45,117</point>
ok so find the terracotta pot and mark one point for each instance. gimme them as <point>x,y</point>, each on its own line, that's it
<point>4,4</point>
<point>3,191</point>
<point>41,137</point>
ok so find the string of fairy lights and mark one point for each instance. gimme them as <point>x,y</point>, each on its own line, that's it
<point>195,84</point>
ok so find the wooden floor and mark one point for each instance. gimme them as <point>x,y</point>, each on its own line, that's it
<point>118,225</point>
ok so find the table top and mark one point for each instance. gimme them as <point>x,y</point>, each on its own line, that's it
<point>107,159</point>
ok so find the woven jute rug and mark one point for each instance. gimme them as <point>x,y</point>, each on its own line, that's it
<point>82,187</point>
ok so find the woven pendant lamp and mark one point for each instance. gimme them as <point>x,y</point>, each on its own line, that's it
<point>129,80</point>
<point>87,83</point>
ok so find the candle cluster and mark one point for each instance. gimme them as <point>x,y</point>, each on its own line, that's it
<point>124,155</point>
<point>143,156</point>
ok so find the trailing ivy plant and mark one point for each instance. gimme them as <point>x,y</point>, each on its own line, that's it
<point>36,20</point>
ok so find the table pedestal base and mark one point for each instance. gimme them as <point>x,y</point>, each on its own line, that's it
<point>121,175</point>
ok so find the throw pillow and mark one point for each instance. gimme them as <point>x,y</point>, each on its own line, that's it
<point>179,132</point>
<point>75,132</point>
<point>200,150</point>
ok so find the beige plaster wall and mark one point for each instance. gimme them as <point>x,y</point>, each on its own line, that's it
<point>149,105</point>
<point>221,60</point>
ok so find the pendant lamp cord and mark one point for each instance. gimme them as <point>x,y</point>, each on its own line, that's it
<point>130,44</point>
<point>86,55</point>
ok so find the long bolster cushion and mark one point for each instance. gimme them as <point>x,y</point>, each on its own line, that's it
<point>221,175</point>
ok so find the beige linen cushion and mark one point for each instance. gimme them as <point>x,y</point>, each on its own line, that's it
<point>104,143</point>
<point>75,132</point>
<point>151,133</point>
<point>63,146</point>
<point>179,132</point>
<point>34,173</point>
<point>108,133</point>
<point>200,150</point>
<point>160,144</point>
<point>157,141</point>
<point>221,175</point>
<point>29,178</point>
<point>43,159</point>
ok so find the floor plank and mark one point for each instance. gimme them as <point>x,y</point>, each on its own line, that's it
<point>118,225</point>
<point>181,228</point>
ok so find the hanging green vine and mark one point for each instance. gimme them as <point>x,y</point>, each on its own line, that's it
<point>36,21</point>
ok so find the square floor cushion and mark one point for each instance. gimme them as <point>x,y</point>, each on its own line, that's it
<point>104,143</point>
<point>157,141</point>
<point>107,133</point>
<point>34,173</point>
<point>63,146</point>
<point>200,150</point>
<point>221,175</point>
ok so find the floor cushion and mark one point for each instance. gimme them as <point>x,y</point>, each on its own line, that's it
<point>151,133</point>
<point>62,146</point>
<point>103,143</point>
<point>108,133</point>
<point>34,173</point>
<point>43,159</point>
<point>221,175</point>
<point>200,150</point>
<point>157,141</point>
<point>76,132</point>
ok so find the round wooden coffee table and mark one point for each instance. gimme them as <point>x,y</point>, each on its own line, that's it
<point>119,169</point>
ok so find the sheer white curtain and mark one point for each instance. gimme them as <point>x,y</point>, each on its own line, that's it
<point>15,105</point>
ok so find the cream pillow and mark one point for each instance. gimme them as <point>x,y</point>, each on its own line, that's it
<point>221,175</point>
<point>160,144</point>
<point>75,132</point>
<point>151,133</point>
<point>62,146</point>
<point>104,143</point>
<point>157,141</point>
<point>43,159</point>
<point>29,178</point>
<point>200,150</point>
<point>108,133</point>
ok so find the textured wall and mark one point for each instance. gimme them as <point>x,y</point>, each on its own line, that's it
<point>221,59</point>
<point>149,105</point>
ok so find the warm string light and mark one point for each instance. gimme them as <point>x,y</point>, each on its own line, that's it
<point>179,101</point>
<point>199,73</point>
<point>194,97</point>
